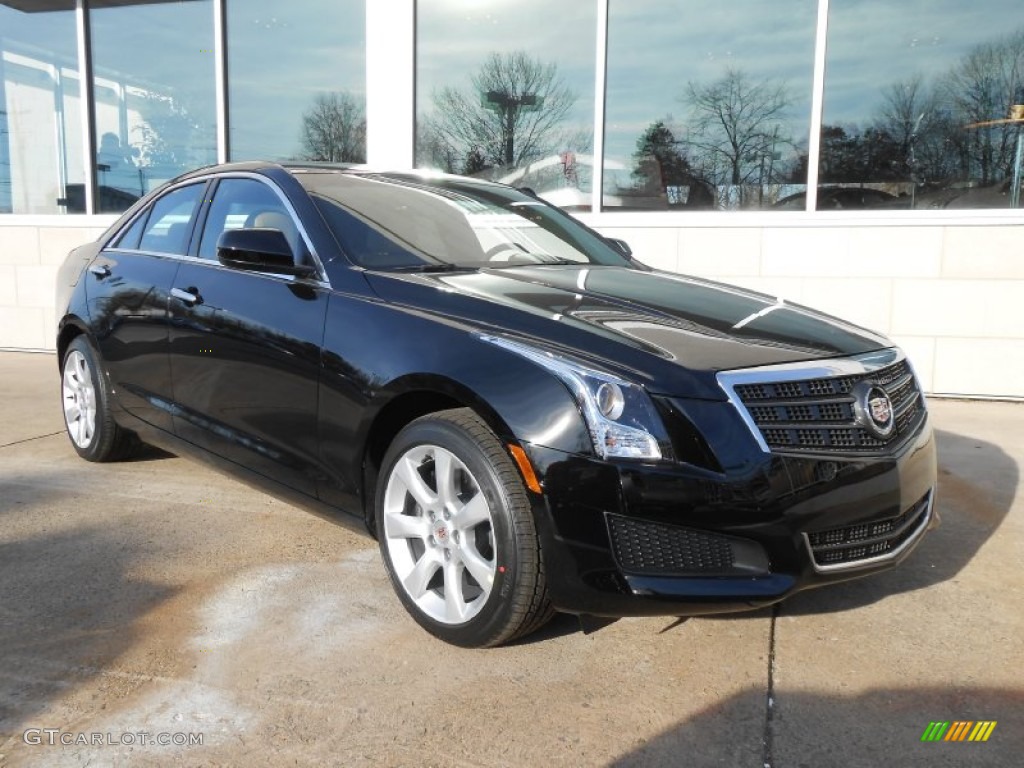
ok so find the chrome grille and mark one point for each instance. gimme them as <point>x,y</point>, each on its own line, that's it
<point>852,545</point>
<point>817,413</point>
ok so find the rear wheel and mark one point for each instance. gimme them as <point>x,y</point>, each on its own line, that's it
<point>93,432</point>
<point>457,534</point>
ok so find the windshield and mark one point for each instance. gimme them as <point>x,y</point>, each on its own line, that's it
<point>409,222</point>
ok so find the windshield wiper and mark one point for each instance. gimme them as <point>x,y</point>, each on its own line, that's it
<point>441,267</point>
<point>553,262</point>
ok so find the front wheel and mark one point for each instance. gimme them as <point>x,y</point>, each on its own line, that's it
<point>457,534</point>
<point>90,425</point>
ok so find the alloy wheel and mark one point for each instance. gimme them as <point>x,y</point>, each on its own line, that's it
<point>79,399</point>
<point>439,534</point>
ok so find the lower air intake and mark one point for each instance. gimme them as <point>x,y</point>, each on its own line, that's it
<point>854,545</point>
<point>641,546</point>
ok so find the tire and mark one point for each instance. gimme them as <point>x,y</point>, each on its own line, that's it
<point>466,561</point>
<point>87,418</point>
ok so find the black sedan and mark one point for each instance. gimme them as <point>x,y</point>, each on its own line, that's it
<point>526,417</point>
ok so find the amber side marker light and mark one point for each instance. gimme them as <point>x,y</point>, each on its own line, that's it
<point>525,468</point>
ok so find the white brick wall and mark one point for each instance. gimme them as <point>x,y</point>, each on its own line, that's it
<point>951,295</point>
<point>31,249</point>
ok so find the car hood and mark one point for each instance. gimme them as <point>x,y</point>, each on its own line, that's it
<point>671,331</point>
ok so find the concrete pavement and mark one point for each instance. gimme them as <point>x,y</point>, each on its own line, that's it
<point>158,596</point>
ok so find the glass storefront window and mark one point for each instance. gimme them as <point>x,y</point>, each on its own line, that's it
<point>708,104</point>
<point>505,91</point>
<point>297,80</point>
<point>154,94</point>
<point>924,105</point>
<point>41,167</point>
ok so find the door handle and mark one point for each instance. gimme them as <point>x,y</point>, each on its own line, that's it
<point>190,297</point>
<point>100,270</point>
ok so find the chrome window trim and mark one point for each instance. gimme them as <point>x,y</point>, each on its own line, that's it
<point>858,365</point>
<point>867,562</point>
<point>148,208</point>
<point>120,232</point>
<point>144,210</point>
<point>321,278</point>
<point>322,283</point>
<point>285,201</point>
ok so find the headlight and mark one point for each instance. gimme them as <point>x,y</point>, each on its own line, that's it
<point>620,416</point>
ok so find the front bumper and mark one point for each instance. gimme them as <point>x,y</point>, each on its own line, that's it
<point>625,539</point>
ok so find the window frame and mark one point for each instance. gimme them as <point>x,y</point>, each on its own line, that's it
<point>199,220</point>
<point>193,217</point>
<point>211,199</point>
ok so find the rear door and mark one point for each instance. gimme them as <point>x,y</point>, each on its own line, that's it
<point>245,346</point>
<point>127,287</point>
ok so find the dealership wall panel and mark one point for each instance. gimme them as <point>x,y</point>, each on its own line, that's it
<point>962,328</point>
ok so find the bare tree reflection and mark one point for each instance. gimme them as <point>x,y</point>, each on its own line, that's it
<point>908,114</point>
<point>663,172</point>
<point>735,149</point>
<point>852,156</point>
<point>979,88</point>
<point>936,144</point>
<point>738,125</point>
<point>513,112</point>
<point>334,129</point>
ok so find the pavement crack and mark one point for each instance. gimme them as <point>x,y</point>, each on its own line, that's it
<point>767,759</point>
<point>30,439</point>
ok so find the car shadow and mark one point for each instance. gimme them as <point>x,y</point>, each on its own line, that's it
<point>69,608</point>
<point>147,453</point>
<point>879,727</point>
<point>561,625</point>
<point>971,509</point>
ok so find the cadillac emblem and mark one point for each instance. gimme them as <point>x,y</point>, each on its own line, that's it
<point>874,409</point>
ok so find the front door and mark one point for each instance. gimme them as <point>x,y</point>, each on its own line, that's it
<point>245,346</point>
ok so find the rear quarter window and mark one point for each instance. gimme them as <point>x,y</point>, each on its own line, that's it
<point>170,221</point>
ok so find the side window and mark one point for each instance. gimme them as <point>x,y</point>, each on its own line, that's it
<point>129,239</point>
<point>171,219</point>
<point>249,203</point>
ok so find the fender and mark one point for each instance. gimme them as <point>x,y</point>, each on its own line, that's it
<point>441,360</point>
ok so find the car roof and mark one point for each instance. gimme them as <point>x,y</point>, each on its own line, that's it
<point>258,166</point>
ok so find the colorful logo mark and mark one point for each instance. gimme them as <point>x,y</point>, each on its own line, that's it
<point>958,730</point>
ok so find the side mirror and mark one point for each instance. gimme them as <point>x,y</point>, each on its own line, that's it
<point>259,250</point>
<point>621,246</point>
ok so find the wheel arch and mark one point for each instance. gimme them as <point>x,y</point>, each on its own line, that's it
<point>412,398</point>
<point>70,328</point>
